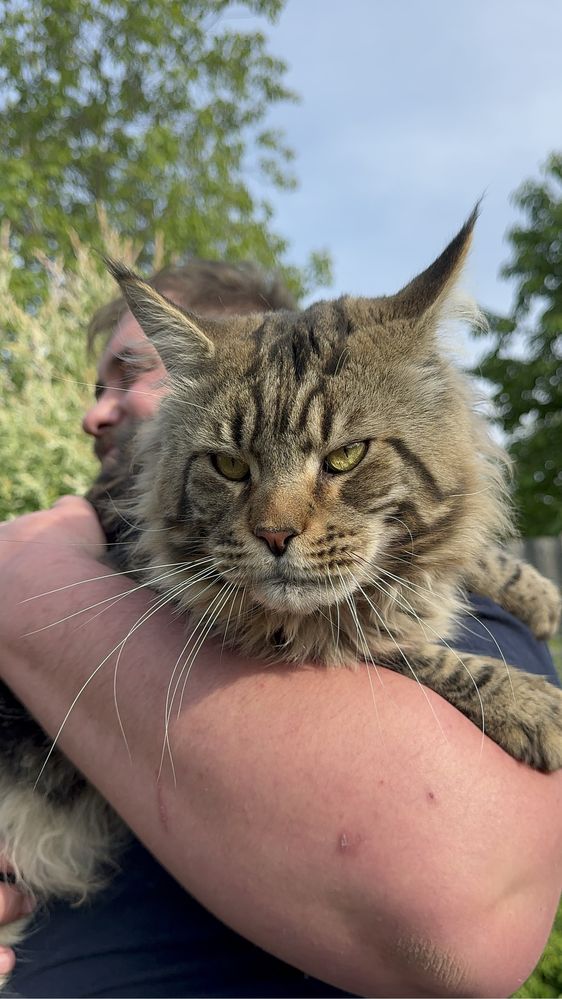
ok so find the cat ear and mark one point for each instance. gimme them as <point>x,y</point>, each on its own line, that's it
<point>425,297</point>
<point>177,335</point>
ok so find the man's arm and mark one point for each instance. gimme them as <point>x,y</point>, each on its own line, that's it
<point>349,822</point>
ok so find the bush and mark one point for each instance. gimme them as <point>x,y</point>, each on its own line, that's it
<point>46,381</point>
<point>546,979</point>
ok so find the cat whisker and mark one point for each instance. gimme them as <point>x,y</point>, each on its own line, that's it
<point>405,603</point>
<point>366,651</point>
<point>193,638</point>
<point>211,574</point>
<point>234,595</point>
<point>335,637</point>
<point>170,697</point>
<point>105,575</point>
<point>94,673</point>
<point>240,616</point>
<point>402,654</point>
<point>412,552</point>
<point>113,599</point>
<point>401,558</point>
<point>229,587</point>
<point>154,394</point>
<point>135,527</point>
<point>164,599</point>
<point>422,589</point>
<point>94,386</point>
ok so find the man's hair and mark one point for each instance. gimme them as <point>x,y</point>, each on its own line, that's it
<point>205,286</point>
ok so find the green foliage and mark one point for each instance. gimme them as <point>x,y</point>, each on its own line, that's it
<point>525,361</point>
<point>45,384</point>
<point>153,109</point>
<point>546,979</point>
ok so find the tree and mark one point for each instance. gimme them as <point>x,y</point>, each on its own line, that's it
<point>525,362</point>
<point>45,384</point>
<point>153,109</point>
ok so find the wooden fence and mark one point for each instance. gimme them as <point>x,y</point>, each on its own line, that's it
<point>544,553</point>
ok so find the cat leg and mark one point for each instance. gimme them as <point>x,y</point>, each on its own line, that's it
<point>519,588</point>
<point>520,711</point>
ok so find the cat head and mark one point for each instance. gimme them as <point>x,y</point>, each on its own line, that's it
<point>304,450</point>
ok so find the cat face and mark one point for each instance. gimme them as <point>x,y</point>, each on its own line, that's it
<point>303,451</point>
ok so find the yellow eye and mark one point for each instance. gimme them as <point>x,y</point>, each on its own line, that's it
<point>231,468</point>
<point>343,459</point>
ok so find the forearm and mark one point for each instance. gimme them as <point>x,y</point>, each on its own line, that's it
<point>332,831</point>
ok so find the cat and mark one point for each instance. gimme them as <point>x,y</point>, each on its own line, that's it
<point>331,461</point>
<point>328,494</point>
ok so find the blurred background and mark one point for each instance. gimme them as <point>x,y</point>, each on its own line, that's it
<point>342,145</point>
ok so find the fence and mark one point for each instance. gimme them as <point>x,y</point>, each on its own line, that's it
<point>544,553</point>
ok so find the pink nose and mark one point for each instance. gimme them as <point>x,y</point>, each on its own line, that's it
<point>276,540</point>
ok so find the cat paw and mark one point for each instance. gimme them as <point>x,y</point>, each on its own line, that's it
<point>542,604</point>
<point>528,725</point>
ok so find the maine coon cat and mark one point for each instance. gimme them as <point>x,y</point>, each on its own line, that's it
<point>327,494</point>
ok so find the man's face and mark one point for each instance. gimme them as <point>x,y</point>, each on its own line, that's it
<point>131,382</point>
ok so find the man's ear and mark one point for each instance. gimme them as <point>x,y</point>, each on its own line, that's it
<point>177,335</point>
<point>424,298</point>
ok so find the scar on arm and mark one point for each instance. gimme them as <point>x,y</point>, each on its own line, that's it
<point>440,966</point>
<point>349,843</point>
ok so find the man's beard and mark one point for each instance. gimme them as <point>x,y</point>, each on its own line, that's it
<point>110,492</point>
<point>113,443</point>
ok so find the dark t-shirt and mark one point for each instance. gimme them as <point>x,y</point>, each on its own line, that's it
<point>145,936</point>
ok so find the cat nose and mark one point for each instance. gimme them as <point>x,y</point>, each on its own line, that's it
<point>277,540</point>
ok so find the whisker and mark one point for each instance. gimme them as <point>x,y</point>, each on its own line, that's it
<point>234,595</point>
<point>154,394</point>
<point>164,599</point>
<point>168,708</point>
<point>104,575</point>
<point>229,587</point>
<point>111,600</point>
<point>408,530</point>
<point>366,652</point>
<point>94,673</point>
<point>135,527</point>
<point>425,625</point>
<point>404,657</point>
<point>416,587</point>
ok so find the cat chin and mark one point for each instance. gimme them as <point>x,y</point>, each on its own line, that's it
<point>296,598</point>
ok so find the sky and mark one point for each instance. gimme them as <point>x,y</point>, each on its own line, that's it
<point>412,110</point>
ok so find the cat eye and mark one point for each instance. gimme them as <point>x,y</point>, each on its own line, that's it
<point>343,459</point>
<point>232,468</point>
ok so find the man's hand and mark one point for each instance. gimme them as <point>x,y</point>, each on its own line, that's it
<point>14,905</point>
<point>70,523</point>
<point>62,536</point>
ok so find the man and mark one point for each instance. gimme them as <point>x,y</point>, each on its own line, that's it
<point>368,846</point>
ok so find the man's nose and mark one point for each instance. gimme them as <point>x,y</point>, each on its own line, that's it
<point>106,412</point>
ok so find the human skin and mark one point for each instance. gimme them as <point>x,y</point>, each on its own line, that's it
<point>347,821</point>
<point>131,381</point>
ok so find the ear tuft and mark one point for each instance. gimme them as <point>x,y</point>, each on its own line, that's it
<point>118,270</point>
<point>179,336</point>
<point>428,291</point>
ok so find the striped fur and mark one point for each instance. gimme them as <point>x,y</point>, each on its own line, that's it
<point>378,559</point>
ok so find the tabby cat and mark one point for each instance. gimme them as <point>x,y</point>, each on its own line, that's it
<point>327,494</point>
